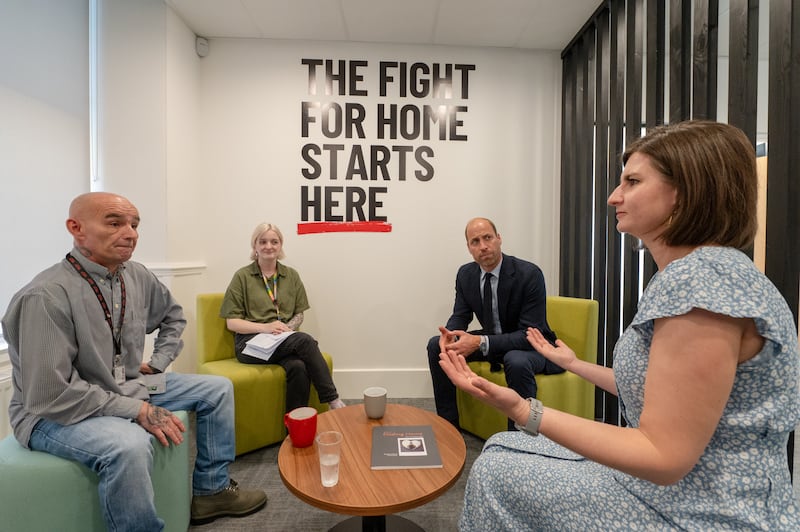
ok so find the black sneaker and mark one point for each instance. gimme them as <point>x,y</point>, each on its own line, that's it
<point>231,501</point>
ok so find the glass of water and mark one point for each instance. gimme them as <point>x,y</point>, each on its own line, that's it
<point>329,445</point>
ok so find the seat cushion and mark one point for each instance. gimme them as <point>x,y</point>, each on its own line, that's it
<point>42,492</point>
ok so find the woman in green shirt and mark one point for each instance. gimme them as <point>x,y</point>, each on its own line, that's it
<point>267,297</point>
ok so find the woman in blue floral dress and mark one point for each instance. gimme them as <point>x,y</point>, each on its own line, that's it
<point>707,374</point>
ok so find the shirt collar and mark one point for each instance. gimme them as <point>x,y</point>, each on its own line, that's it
<point>256,271</point>
<point>495,272</point>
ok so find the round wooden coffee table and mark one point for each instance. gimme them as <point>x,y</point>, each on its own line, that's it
<point>372,494</point>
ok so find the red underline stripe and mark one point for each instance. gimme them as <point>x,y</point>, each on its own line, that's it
<point>308,228</point>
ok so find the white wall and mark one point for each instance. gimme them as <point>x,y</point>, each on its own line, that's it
<point>44,145</point>
<point>133,117</point>
<point>377,298</point>
<point>148,91</point>
<point>207,148</point>
<point>44,132</point>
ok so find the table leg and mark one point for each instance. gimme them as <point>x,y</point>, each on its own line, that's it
<point>377,523</point>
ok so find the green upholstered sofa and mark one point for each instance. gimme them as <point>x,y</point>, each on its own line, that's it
<point>259,389</point>
<point>40,492</point>
<point>574,321</point>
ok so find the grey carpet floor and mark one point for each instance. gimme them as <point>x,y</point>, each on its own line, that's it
<point>285,512</point>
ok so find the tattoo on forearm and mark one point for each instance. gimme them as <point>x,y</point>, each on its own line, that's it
<point>295,322</point>
<point>158,416</point>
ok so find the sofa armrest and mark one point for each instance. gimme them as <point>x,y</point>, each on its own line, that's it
<point>214,340</point>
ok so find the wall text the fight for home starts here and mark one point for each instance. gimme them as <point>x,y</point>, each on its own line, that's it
<point>420,104</point>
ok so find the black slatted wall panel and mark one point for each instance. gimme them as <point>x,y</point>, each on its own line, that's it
<point>617,73</point>
<point>743,67</point>
<point>654,60</point>
<point>634,50</point>
<point>583,156</point>
<point>586,158</point>
<point>601,217</point>
<point>680,51</point>
<point>615,240</point>
<point>783,185</point>
<point>655,87</point>
<point>570,141</point>
<point>782,261</point>
<point>704,59</point>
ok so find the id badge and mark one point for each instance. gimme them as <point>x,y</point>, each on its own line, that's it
<point>119,370</point>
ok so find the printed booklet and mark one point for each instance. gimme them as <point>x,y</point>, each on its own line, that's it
<point>263,345</point>
<point>404,447</point>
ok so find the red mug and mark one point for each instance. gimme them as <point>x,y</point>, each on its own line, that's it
<point>302,425</point>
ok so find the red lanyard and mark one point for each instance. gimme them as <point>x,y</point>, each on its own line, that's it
<point>117,338</point>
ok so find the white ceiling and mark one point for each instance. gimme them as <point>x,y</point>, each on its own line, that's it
<point>534,24</point>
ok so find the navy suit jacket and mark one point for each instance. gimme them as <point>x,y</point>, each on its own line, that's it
<point>521,303</point>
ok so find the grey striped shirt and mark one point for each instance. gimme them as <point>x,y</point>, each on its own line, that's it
<point>62,350</point>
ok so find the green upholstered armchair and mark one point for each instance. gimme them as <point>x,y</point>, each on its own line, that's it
<point>574,321</point>
<point>259,389</point>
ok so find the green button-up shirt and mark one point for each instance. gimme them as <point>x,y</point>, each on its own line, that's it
<point>247,298</point>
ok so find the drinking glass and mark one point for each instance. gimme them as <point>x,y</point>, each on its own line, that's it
<point>329,446</point>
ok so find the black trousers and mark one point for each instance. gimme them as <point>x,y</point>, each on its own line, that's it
<point>300,357</point>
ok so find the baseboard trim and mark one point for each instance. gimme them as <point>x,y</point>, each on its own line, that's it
<point>408,383</point>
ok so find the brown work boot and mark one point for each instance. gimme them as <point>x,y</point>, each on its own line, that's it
<point>231,501</point>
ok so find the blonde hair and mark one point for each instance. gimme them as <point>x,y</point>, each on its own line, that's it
<point>260,230</point>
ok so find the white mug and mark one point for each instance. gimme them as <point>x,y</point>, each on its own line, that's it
<point>375,402</point>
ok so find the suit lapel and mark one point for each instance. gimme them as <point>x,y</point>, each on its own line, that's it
<point>504,286</point>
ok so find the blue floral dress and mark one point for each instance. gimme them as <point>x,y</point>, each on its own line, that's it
<point>741,481</point>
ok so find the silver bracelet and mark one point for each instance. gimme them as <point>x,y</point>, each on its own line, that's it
<point>534,418</point>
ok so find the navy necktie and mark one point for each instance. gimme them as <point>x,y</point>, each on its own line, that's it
<point>488,314</point>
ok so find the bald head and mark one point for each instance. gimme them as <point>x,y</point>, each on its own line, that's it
<point>84,204</point>
<point>104,227</point>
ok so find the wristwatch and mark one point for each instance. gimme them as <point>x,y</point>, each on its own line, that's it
<point>534,418</point>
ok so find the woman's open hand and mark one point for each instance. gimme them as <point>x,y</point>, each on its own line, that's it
<point>503,399</point>
<point>561,354</point>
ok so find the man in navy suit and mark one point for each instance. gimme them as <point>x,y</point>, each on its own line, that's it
<point>514,300</point>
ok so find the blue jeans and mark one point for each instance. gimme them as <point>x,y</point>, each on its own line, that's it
<point>121,452</point>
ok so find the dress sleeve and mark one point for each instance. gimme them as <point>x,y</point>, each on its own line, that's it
<point>719,280</point>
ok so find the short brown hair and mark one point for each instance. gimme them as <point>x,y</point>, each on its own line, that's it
<point>713,168</point>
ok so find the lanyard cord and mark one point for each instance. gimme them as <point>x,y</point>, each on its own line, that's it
<point>273,295</point>
<point>117,338</point>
